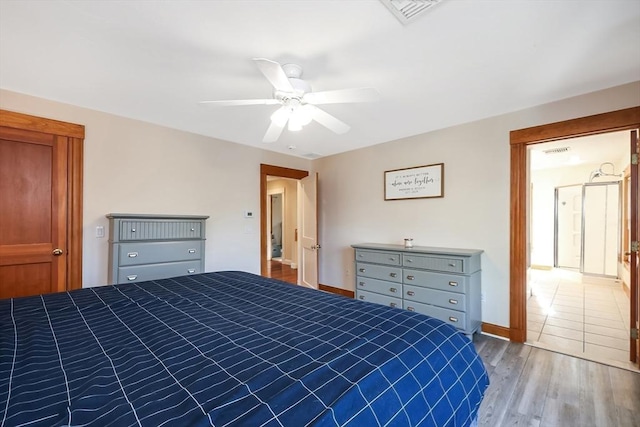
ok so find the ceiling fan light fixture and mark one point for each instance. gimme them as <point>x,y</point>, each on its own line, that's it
<point>280,116</point>
<point>294,126</point>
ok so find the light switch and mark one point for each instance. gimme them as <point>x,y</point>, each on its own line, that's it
<point>99,231</point>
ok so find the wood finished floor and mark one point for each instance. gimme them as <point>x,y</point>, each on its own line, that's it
<point>535,387</point>
<point>280,271</point>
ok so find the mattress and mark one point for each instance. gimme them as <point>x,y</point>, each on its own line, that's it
<point>230,348</point>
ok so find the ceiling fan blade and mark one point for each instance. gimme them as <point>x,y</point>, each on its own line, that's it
<point>364,94</point>
<point>275,74</point>
<point>330,122</point>
<point>275,130</point>
<point>240,102</point>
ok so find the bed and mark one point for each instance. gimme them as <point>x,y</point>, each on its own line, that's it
<point>230,348</point>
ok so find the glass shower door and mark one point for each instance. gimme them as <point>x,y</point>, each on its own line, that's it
<point>600,228</point>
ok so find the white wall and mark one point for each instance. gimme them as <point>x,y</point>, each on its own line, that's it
<point>474,212</point>
<point>136,167</point>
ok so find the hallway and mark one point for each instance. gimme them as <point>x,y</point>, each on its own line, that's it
<point>280,271</point>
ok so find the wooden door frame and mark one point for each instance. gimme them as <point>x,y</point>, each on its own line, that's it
<point>73,135</point>
<point>270,170</point>
<point>626,119</point>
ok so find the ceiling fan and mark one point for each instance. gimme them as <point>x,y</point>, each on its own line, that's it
<point>298,104</point>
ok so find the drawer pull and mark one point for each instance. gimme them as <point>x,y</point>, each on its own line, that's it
<point>392,259</point>
<point>360,256</point>
<point>193,229</point>
<point>394,290</point>
<point>453,301</point>
<point>453,319</point>
<point>393,305</point>
<point>454,284</point>
<point>192,251</point>
<point>132,277</point>
<point>133,230</point>
<point>132,254</point>
<point>361,270</point>
<point>191,270</point>
<point>410,277</point>
<point>411,293</point>
<point>409,260</point>
<point>361,296</point>
<point>411,308</point>
<point>393,274</point>
<point>360,283</point>
<point>451,264</point>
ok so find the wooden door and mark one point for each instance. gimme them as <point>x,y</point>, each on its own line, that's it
<point>40,205</point>
<point>309,231</point>
<point>634,267</point>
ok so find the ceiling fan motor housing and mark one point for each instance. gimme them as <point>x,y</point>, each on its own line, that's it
<point>300,88</point>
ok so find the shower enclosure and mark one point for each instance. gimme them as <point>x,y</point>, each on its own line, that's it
<point>587,227</point>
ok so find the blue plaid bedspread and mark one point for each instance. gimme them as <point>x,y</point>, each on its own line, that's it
<point>229,348</point>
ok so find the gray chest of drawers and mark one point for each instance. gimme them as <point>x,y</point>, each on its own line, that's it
<point>150,247</point>
<point>439,282</point>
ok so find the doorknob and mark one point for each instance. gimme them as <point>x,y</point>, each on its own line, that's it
<point>57,252</point>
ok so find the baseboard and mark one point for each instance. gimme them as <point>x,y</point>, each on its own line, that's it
<point>541,267</point>
<point>626,290</point>
<point>339,291</point>
<point>497,330</point>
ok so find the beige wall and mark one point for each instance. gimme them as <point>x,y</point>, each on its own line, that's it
<point>132,166</point>
<point>474,212</point>
<point>290,214</point>
<point>136,167</point>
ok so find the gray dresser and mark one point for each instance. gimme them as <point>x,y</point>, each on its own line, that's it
<point>440,282</point>
<point>149,247</point>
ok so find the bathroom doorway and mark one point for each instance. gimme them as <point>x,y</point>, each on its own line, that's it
<point>577,299</point>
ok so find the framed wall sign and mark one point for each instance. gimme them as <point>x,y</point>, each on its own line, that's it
<point>419,182</point>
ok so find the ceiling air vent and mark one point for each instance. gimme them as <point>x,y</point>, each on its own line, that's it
<point>311,155</point>
<point>408,10</point>
<point>556,150</point>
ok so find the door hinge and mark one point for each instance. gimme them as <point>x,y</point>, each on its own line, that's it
<point>634,246</point>
<point>634,158</point>
<point>634,333</point>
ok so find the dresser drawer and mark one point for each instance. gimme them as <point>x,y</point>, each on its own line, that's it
<point>441,281</point>
<point>160,230</point>
<point>382,272</point>
<point>157,252</point>
<point>140,273</point>
<point>451,300</point>
<point>378,257</point>
<point>453,265</point>
<point>392,289</point>
<point>379,299</point>
<point>455,318</point>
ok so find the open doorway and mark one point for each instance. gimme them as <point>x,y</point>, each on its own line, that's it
<point>282,229</point>
<point>278,180</point>
<point>520,255</point>
<point>576,299</point>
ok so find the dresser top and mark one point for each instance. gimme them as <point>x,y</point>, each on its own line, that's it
<point>154,216</point>
<point>418,249</point>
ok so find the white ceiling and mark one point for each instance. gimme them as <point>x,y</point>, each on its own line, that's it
<point>614,147</point>
<point>461,61</point>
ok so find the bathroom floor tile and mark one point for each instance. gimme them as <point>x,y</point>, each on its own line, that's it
<point>587,319</point>
<point>605,341</point>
